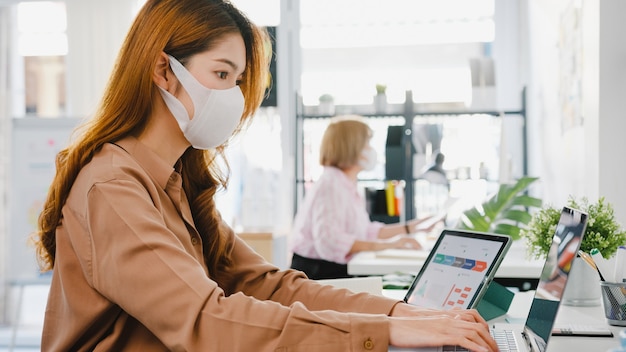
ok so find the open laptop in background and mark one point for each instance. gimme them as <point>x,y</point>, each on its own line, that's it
<point>534,335</point>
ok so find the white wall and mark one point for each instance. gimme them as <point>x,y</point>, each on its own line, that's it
<point>611,106</point>
<point>509,65</point>
<point>555,153</point>
<point>507,54</point>
<point>583,160</point>
<point>95,32</point>
<point>4,145</point>
<point>288,68</point>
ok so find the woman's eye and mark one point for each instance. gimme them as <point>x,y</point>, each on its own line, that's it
<point>222,75</point>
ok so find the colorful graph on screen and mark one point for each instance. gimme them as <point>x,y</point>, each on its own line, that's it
<point>455,273</point>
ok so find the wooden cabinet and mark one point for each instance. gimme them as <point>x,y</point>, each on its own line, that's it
<point>270,245</point>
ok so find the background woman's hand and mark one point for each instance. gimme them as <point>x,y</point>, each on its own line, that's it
<point>427,223</point>
<point>404,242</point>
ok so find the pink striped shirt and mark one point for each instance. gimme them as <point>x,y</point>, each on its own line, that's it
<point>331,218</point>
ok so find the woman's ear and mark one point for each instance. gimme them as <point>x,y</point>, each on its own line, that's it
<point>161,71</point>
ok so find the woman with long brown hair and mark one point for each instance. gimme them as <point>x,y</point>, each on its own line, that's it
<point>141,259</point>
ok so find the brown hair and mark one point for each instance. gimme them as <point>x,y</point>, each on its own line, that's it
<point>344,140</point>
<point>180,28</point>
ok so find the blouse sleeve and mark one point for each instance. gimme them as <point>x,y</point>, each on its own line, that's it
<point>373,228</point>
<point>139,264</point>
<point>256,277</point>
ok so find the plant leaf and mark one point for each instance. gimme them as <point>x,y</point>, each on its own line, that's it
<point>527,201</point>
<point>491,208</point>
<point>474,220</point>
<point>508,229</point>
<point>517,216</point>
<point>506,210</point>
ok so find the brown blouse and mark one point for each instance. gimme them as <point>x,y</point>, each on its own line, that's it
<point>129,276</point>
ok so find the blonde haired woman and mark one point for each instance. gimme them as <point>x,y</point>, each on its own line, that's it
<point>140,257</point>
<point>332,224</point>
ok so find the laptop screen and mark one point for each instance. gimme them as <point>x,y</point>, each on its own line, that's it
<point>565,244</point>
<point>457,269</point>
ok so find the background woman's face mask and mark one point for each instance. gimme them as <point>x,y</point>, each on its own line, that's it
<point>216,112</point>
<point>368,159</point>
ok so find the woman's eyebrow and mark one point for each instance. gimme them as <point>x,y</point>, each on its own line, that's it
<point>230,63</point>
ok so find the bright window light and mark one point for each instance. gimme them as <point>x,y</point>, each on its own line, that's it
<point>370,33</point>
<point>138,5</point>
<point>261,13</point>
<point>431,85</point>
<point>316,12</point>
<point>42,28</point>
<point>370,23</point>
<point>397,35</point>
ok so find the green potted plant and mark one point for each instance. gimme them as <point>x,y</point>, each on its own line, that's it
<point>603,232</point>
<point>506,212</point>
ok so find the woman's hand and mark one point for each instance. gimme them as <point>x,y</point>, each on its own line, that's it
<point>439,330</point>
<point>403,242</point>
<point>407,310</point>
<point>426,224</point>
<point>423,327</point>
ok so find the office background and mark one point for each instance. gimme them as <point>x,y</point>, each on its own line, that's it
<point>567,55</point>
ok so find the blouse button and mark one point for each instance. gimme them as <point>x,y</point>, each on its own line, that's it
<point>368,344</point>
<point>194,241</point>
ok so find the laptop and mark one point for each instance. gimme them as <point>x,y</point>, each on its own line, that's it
<point>458,270</point>
<point>534,335</point>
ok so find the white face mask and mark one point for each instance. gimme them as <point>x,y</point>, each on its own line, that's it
<point>216,112</point>
<point>368,159</point>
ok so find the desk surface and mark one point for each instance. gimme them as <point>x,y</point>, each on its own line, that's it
<point>567,315</point>
<point>514,265</point>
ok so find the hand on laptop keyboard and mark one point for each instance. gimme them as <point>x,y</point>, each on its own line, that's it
<point>505,340</point>
<point>411,326</point>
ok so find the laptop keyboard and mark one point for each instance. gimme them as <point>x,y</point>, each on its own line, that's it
<point>504,338</point>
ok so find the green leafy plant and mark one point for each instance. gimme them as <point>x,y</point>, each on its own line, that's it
<point>381,88</point>
<point>603,232</point>
<point>505,212</point>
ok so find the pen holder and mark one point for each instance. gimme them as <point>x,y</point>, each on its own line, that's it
<point>614,300</point>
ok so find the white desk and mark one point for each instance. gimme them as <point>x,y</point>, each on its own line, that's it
<point>567,315</point>
<point>515,264</point>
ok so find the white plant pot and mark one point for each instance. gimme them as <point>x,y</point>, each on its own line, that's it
<point>583,286</point>
<point>327,108</point>
<point>380,103</point>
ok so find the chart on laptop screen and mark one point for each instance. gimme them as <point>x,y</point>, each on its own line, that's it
<point>455,272</point>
